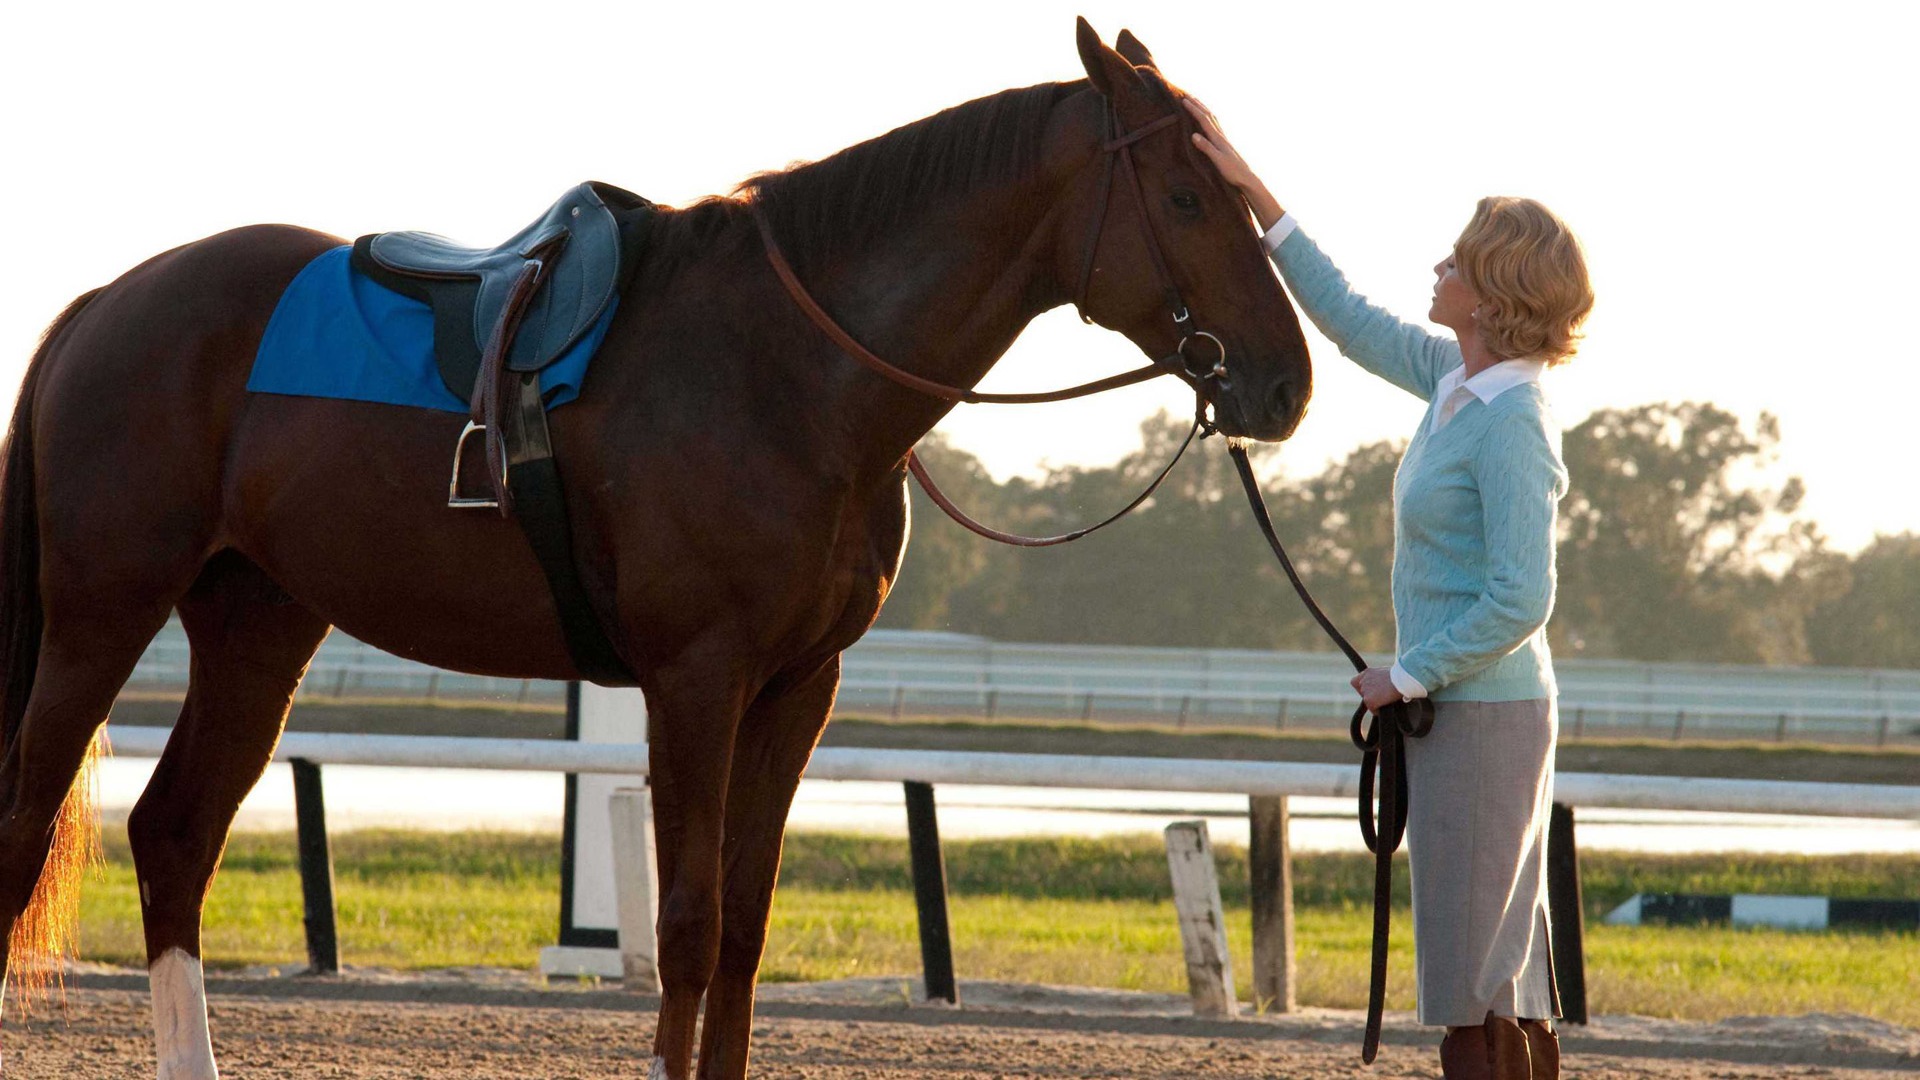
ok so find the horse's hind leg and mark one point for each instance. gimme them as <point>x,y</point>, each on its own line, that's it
<point>43,799</point>
<point>775,740</point>
<point>250,646</point>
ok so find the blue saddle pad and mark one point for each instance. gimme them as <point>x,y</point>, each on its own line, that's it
<point>337,334</point>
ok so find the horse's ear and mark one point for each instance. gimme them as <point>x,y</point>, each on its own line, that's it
<point>1107,70</point>
<point>1135,52</point>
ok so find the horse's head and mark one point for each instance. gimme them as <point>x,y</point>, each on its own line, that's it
<point>1191,254</point>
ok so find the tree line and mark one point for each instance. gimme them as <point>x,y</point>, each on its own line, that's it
<point>1674,544</point>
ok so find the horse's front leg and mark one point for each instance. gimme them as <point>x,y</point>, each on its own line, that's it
<point>694,707</point>
<point>776,738</point>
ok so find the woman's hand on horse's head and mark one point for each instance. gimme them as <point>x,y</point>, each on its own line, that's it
<point>1214,143</point>
<point>1234,169</point>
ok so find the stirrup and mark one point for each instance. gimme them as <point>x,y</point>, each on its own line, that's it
<point>454,499</point>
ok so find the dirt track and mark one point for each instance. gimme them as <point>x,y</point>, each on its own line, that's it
<point>429,1030</point>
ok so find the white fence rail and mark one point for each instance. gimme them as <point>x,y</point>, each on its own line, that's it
<point>1070,771</point>
<point>902,673</point>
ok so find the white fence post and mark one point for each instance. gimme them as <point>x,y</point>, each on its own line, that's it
<point>636,886</point>
<point>1203,930</point>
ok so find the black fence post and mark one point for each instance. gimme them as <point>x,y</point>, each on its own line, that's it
<point>316,868</point>
<point>1565,914</point>
<point>930,893</point>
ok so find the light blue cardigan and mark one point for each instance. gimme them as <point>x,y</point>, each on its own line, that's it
<point>1474,504</point>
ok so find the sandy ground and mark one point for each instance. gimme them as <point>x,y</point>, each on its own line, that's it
<point>496,1024</point>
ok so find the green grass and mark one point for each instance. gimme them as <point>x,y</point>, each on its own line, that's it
<point>1128,944</point>
<point>402,899</point>
<point>1135,867</point>
<point>1071,911</point>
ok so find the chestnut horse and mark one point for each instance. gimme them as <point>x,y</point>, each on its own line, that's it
<point>736,486</point>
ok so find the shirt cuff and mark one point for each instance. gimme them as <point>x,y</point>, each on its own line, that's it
<point>1408,686</point>
<point>1278,234</point>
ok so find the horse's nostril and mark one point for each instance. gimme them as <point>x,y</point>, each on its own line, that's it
<point>1280,401</point>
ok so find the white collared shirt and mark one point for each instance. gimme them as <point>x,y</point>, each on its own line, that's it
<point>1455,389</point>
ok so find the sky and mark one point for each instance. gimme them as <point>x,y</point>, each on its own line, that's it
<point>1743,175</point>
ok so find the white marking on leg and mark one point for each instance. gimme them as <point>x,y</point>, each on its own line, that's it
<point>180,1018</point>
<point>659,1070</point>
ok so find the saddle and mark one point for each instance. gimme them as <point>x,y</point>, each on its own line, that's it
<point>500,316</point>
<point>579,253</point>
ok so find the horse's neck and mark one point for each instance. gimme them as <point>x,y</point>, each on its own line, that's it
<point>943,298</point>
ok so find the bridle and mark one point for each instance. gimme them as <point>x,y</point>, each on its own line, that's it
<point>1204,379</point>
<point>1383,745</point>
<point>1119,152</point>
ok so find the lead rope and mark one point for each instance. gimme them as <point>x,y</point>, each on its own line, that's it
<point>1382,746</point>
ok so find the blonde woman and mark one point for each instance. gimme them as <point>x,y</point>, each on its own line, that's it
<point>1473,579</point>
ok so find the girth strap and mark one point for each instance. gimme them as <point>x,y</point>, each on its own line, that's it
<point>539,503</point>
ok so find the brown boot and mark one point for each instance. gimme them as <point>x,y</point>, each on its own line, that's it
<point>1543,1049</point>
<point>1495,1049</point>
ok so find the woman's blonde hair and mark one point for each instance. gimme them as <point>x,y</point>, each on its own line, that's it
<point>1527,267</point>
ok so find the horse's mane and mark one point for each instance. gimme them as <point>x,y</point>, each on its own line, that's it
<point>840,203</point>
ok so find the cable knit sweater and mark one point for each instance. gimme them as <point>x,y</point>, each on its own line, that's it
<point>1474,503</point>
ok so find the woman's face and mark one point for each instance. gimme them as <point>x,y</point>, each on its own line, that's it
<point>1453,302</point>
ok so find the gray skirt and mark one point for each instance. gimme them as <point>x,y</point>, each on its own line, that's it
<point>1480,788</point>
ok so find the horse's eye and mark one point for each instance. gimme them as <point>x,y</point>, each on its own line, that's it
<point>1186,200</point>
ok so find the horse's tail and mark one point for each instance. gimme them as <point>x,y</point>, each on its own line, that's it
<point>47,929</point>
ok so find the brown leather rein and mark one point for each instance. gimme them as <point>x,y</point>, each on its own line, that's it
<point>1382,745</point>
<point>1119,150</point>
